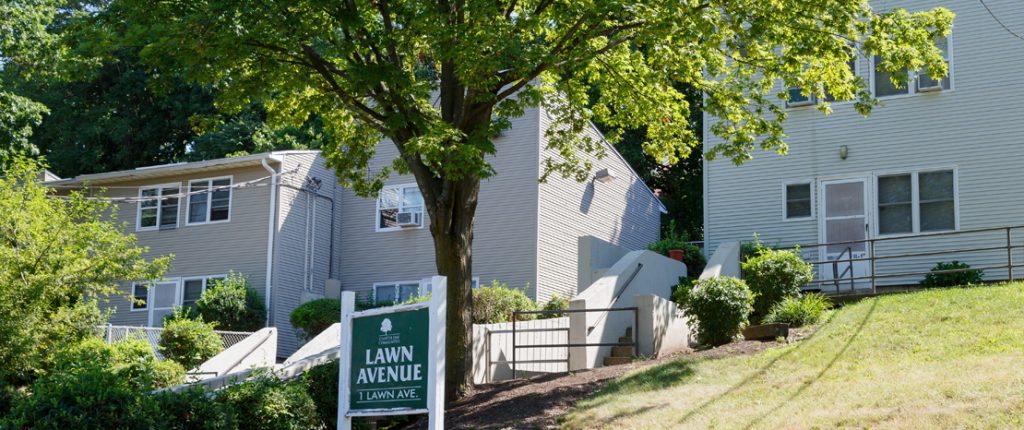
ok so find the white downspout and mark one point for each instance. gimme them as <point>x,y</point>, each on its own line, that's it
<point>271,229</point>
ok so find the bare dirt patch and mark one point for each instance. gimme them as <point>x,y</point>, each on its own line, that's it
<point>539,402</point>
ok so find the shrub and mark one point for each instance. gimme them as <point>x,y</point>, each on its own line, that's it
<point>751,248</point>
<point>189,341</point>
<point>799,311</point>
<point>192,409</point>
<point>964,276</point>
<point>774,275</point>
<point>232,305</point>
<point>313,317</point>
<point>680,291</point>
<point>721,306</point>
<point>496,303</point>
<point>268,403</point>
<point>96,386</point>
<point>693,257</point>
<point>322,382</point>
<point>556,303</point>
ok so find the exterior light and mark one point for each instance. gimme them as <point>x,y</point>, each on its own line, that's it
<point>844,151</point>
<point>604,175</point>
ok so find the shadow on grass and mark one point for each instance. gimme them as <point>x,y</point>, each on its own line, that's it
<point>652,379</point>
<point>831,363</point>
<point>693,412</point>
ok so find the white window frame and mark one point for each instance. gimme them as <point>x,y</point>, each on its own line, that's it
<point>206,284</point>
<point>209,200</point>
<point>912,77</point>
<point>149,302</point>
<point>401,190</point>
<point>159,206</point>
<point>419,288</point>
<point>131,301</point>
<point>915,200</point>
<point>420,291</point>
<point>785,200</point>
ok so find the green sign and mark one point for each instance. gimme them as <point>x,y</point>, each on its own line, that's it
<point>389,361</point>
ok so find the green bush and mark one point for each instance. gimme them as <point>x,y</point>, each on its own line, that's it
<point>232,305</point>
<point>693,257</point>
<point>556,303</point>
<point>189,341</point>
<point>192,409</point>
<point>680,291</point>
<point>313,317</point>
<point>774,275</point>
<point>496,303</point>
<point>96,386</point>
<point>799,311</point>
<point>962,277</point>
<point>322,383</point>
<point>721,306</point>
<point>751,248</point>
<point>268,403</point>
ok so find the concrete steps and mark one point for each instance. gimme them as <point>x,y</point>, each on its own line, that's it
<point>621,354</point>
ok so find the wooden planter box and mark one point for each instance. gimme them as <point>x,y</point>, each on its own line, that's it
<point>766,331</point>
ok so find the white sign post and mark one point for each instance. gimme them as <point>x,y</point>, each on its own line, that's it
<point>392,359</point>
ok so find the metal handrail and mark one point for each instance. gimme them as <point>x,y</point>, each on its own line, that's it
<point>872,258</point>
<point>907,236</point>
<point>515,317</point>
<point>618,294</point>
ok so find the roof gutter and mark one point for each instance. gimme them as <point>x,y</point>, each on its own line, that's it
<point>271,230</point>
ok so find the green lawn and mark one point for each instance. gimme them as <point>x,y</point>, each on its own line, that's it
<point>935,359</point>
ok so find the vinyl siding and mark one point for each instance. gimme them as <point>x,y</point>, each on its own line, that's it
<point>622,212</point>
<point>974,128</point>
<point>504,244</point>
<point>201,250</point>
<point>292,245</point>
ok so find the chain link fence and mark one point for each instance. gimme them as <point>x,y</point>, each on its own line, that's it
<point>115,333</point>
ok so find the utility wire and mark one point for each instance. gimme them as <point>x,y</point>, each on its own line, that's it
<point>1000,22</point>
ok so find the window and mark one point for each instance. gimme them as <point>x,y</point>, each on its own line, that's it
<point>798,201</point>
<point>917,202</point>
<point>925,82</point>
<point>158,207</point>
<point>883,81</point>
<point>140,297</point>
<point>922,82</point>
<point>396,292</point>
<point>798,98</point>
<point>209,200</point>
<point>398,207</point>
<point>193,288</point>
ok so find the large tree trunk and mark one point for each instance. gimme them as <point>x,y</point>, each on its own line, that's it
<point>452,228</point>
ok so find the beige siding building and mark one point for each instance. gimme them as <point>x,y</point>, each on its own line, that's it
<point>282,220</point>
<point>934,157</point>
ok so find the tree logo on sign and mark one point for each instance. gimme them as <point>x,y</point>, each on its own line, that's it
<point>385,326</point>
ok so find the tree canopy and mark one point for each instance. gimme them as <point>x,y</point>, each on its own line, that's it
<point>59,255</point>
<point>441,79</point>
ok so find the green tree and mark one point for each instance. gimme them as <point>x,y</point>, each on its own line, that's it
<point>71,91</point>
<point>441,79</point>
<point>59,255</point>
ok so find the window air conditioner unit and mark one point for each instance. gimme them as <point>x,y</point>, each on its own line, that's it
<point>809,101</point>
<point>926,83</point>
<point>409,219</point>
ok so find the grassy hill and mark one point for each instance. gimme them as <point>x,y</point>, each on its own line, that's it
<point>951,358</point>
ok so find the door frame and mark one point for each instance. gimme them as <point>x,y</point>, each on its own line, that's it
<point>152,297</point>
<point>869,216</point>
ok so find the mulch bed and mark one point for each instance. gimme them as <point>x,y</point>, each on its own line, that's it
<point>539,402</point>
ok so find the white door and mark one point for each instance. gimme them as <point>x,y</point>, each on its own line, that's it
<point>845,219</point>
<point>164,297</point>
